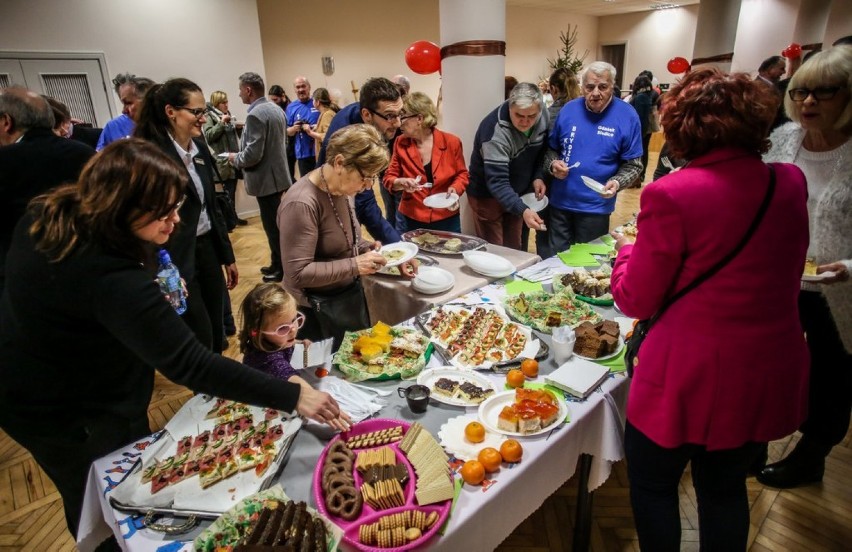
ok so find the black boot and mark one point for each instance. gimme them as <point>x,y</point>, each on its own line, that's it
<point>805,465</point>
<point>760,460</point>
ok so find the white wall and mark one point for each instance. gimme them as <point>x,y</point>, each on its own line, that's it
<point>208,41</point>
<point>839,22</point>
<point>765,28</point>
<point>652,37</point>
<point>368,38</point>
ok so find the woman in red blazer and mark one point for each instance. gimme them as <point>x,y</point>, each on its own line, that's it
<point>725,368</point>
<point>432,155</point>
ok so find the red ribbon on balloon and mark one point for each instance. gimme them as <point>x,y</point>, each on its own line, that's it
<point>423,57</point>
<point>792,51</point>
<point>678,65</point>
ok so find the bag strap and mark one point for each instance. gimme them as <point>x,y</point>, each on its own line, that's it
<point>770,190</point>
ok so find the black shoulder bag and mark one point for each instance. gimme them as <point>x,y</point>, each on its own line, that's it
<point>643,326</point>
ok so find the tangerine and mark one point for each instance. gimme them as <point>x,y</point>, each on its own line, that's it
<point>490,458</point>
<point>473,472</point>
<point>474,432</point>
<point>511,451</point>
<point>515,378</point>
<point>530,367</point>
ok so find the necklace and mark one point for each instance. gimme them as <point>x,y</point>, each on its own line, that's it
<point>337,215</point>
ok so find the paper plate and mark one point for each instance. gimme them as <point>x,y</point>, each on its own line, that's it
<point>398,253</point>
<point>818,277</point>
<point>431,280</point>
<point>489,411</point>
<point>533,203</point>
<point>440,201</point>
<point>488,264</point>
<point>593,184</point>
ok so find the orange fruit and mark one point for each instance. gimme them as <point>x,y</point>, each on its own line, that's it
<point>515,378</point>
<point>473,472</point>
<point>490,458</point>
<point>511,451</point>
<point>530,367</point>
<point>474,432</point>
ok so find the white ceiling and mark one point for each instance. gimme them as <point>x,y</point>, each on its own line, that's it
<point>597,7</point>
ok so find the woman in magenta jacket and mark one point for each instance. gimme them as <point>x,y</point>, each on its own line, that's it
<point>725,368</point>
<point>434,156</point>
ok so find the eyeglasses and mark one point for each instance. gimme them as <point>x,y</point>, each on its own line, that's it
<point>821,93</point>
<point>199,112</point>
<point>389,118</point>
<point>405,117</point>
<point>171,210</point>
<point>602,86</point>
<point>367,180</point>
<point>284,329</point>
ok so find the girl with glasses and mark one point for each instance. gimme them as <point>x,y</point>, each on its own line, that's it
<point>268,336</point>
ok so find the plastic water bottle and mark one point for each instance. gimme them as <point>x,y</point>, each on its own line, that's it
<point>168,277</point>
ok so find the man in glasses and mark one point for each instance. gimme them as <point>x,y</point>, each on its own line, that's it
<point>263,160</point>
<point>379,105</point>
<point>131,91</point>
<point>595,150</point>
<point>32,158</point>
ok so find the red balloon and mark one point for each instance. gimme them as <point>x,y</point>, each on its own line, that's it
<point>792,51</point>
<point>678,65</point>
<point>423,57</point>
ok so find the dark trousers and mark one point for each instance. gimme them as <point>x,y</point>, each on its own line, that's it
<point>449,224</point>
<point>66,454</point>
<point>542,238</point>
<point>391,201</point>
<point>230,186</point>
<point>830,394</point>
<point>569,227</point>
<point>646,142</point>
<point>306,165</point>
<point>493,224</point>
<point>718,477</point>
<point>205,301</point>
<point>269,219</point>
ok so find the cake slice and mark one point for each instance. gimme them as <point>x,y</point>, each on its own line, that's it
<point>508,419</point>
<point>446,387</point>
<point>473,393</point>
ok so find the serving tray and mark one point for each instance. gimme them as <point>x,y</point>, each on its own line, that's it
<point>468,243</point>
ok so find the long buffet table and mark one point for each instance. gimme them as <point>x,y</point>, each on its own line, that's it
<point>482,517</point>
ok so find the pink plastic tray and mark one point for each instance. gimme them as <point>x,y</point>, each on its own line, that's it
<point>368,514</point>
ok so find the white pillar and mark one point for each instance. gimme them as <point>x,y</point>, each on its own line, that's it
<point>811,22</point>
<point>839,22</point>
<point>716,30</point>
<point>472,86</point>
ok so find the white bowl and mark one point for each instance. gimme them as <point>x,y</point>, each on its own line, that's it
<point>431,280</point>
<point>488,264</point>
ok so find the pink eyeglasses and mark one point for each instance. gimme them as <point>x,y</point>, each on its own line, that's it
<point>284,329</point>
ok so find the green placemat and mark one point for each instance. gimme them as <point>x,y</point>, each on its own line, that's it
<point>577,258</point>
<point>616,363</point>
<point>609,240</point>
<point>592,249</point>
<point>516,287</point>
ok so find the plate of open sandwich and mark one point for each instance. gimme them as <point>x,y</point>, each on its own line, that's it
<point>544,311</point>
<point>397,253</point>
<point>523,412</point>
<point>381,353</point>
<point>592,287</point>
<point>455,387</point>
<point>443,242</point>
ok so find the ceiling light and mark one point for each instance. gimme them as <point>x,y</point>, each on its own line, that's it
<point>663,6</point>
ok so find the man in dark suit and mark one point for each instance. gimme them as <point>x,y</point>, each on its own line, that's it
<point>263,160</point>
<point>32,158</point>
<point>86,134</point>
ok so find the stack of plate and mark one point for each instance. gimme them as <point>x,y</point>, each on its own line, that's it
<point>488,264</point>
<point>431,280</point>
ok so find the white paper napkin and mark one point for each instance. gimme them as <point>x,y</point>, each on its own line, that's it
<point>318,354</point>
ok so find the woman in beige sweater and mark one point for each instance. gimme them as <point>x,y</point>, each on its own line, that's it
<point>322,249</point>
<point>327,109</point>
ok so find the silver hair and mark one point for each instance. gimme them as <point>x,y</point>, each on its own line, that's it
<point>26,108</point>
<point>121,79</point>
<point>525,94</point>
<point>599,68</point>
<point>403,81</point>
<point>253,81</point>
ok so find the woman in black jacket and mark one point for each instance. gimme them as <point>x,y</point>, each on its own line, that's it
<point>83,322</point>
<point>172,117</point>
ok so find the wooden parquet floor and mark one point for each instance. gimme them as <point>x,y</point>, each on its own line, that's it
<point>817,517</point>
